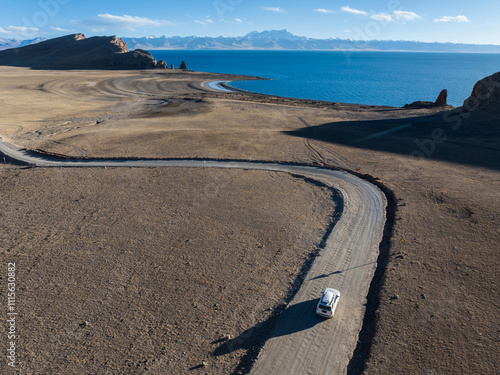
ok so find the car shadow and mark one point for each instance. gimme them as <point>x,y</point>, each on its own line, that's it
<point>299,317</point>
<point>295,318</point>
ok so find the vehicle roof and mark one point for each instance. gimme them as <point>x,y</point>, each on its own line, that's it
<point>331,290</point>
<point>329,295</point>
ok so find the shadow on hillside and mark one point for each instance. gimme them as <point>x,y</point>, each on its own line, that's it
<point>453,136</point>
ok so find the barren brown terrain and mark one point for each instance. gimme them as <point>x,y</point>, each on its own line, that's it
<point>433,305</point>
<point>149,270</point>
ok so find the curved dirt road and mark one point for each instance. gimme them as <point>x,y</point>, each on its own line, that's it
<point>302,342</point>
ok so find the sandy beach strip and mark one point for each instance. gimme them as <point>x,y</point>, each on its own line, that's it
<point>216,85</point>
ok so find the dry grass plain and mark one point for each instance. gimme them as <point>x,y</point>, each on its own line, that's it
<point>438,307</point>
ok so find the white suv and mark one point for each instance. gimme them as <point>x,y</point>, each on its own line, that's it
<point>328,302</point>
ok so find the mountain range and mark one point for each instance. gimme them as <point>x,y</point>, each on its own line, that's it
<point>279,40</point>
<point>15,43</point>
<point>284,40</point>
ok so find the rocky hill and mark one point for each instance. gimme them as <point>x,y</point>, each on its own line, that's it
<point>78,52</point>
<point>485,95</point>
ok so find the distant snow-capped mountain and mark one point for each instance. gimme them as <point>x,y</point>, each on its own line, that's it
<point>284,40</point>
<point>14,43</point>
<point>274,35</point>
<point>278,40</point>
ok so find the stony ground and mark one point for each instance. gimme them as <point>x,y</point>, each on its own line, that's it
<point>439,298</point>
<point>149,270</point>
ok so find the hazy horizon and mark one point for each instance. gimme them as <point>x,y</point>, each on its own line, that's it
<point>396,20</point>
<point>261,31</point>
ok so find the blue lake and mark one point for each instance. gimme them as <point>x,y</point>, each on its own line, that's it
<point>379,78</point>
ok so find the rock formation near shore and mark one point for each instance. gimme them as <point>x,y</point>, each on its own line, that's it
<point>441,101</point>
<point>485,95</point>
<point>78,52</point>
<point>161,65</point>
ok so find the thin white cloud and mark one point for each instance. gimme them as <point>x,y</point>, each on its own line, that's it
<point>205,22</point>
<point>274,9</point>
<point>19,30</point>
<point>400,15</point>
<point>324,11</point>
<point>129,22</point>
<point>460,18</point>
<point>238,20</point>
<point>348,9</point>
<point>60,29</point>
<point>384,17</point>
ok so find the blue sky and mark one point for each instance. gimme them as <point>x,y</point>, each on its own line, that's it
<point>453,21</point>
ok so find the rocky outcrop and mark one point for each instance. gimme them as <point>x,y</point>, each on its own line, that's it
<point>485,95</point>
<point>418,105</point>
<point>138,59</point>
<point>442,99</point>
<point>78,52</point>
<point>161,65</point>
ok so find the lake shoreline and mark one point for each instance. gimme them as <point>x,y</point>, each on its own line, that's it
<point>368,78</point>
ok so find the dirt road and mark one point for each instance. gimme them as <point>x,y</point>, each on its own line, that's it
<point>302,343</point>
